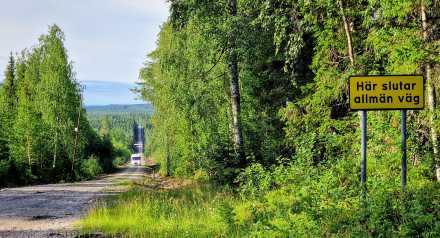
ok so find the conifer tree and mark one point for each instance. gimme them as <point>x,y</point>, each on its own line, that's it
<point>8,103</point>
<point>10,87</point>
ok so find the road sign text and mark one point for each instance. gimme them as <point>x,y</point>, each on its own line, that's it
<point>386,92</point>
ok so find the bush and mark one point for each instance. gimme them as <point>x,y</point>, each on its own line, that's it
<point>90,167</point>
<point>415,213</point>
<point>119,161</point>
<point>4,170</point>
<point>120,152</point>
<point>201,175</point>
<point>255,181</point>
<point>296,201</point>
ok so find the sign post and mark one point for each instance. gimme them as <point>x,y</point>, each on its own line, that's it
<point>364,150</point>
<point>403,178</point>
<point>390,92</point>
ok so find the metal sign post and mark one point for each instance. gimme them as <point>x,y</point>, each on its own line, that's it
<point>364,149</point>
<point>403,178</point>
<point>385,92</point>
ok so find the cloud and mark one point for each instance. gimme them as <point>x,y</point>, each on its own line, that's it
<point>159,7</point>
<point>105,38</point>
<point>108,40</point>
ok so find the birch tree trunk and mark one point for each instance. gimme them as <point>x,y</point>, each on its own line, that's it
<point>55,149</point>
<point>347,33</point>
<point>76,135</point>
<point>55,146</point>
<point>28,151</point>
<point>235,86</point>
<point>349,39</point>
<point>430,91</point>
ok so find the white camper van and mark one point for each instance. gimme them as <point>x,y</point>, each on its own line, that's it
<point>136,159</point>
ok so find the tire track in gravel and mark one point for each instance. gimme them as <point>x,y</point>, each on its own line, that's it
<point>51,210</point>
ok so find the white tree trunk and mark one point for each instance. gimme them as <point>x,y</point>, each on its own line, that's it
<point>430,91</point>
<point>235,88</point>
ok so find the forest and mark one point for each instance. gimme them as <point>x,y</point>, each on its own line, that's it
<point>247,115</point>
<point>44,132</point>
<point>117,121</point>
<point>252,94</point>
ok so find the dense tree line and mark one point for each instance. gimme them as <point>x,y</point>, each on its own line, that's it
<point>44,132</point>
<point>255,92</point>
<point>118,126</point>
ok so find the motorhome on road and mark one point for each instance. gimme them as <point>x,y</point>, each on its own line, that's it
<point>136,159</point>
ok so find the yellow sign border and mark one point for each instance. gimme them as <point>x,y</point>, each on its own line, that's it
<point>382,76</point>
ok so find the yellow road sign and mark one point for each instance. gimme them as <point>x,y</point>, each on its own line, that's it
<point>386,92</point>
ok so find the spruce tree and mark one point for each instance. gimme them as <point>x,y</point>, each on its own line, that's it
<point>7,106</point>
<point>9,95</point>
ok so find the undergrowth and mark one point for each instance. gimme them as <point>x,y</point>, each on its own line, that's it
<point>190,211</point>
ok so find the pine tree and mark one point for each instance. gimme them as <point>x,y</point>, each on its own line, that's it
<point>8,103</point>
<point>9,95</point>
<point>10,87</point>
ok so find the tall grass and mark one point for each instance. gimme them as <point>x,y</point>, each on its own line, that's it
<point>191,211</point>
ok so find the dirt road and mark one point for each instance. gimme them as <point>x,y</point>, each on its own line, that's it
<point>51,210</point>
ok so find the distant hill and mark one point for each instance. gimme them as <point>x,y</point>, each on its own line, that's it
<point>116,108</point>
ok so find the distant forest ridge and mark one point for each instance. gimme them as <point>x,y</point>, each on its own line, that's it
<point>117,120</point>
<point>112,108</point>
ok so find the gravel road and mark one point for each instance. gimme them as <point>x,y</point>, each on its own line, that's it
<point>52,210</point>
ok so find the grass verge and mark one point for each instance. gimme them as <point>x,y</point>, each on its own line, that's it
<point>188,211</point>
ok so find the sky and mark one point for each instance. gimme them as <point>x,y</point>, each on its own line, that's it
<point>107,40</point>
<point>105,93</point>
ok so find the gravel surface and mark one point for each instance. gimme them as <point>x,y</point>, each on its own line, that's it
<point>52,210</point>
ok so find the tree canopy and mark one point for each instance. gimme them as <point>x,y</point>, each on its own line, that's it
<point>301,142</point>
<point>43,124</point>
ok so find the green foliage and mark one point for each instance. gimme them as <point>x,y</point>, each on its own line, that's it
<point>44,134</point>
<point>115,125</point>
<point>7,113</point>
<point>186,116</point>
<point>121,153</point>
<point>182,212</point>
<point>118,123</point>
<point>90,167</point>
<point>116,109</point>
<point>301,139</point>
<point>120,160</point>
<point>4,171</point>
<point>325,201</point>
<point>187,83</point>
<point>255,181</point>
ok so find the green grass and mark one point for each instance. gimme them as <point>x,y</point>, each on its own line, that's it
<point>191,211</point>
